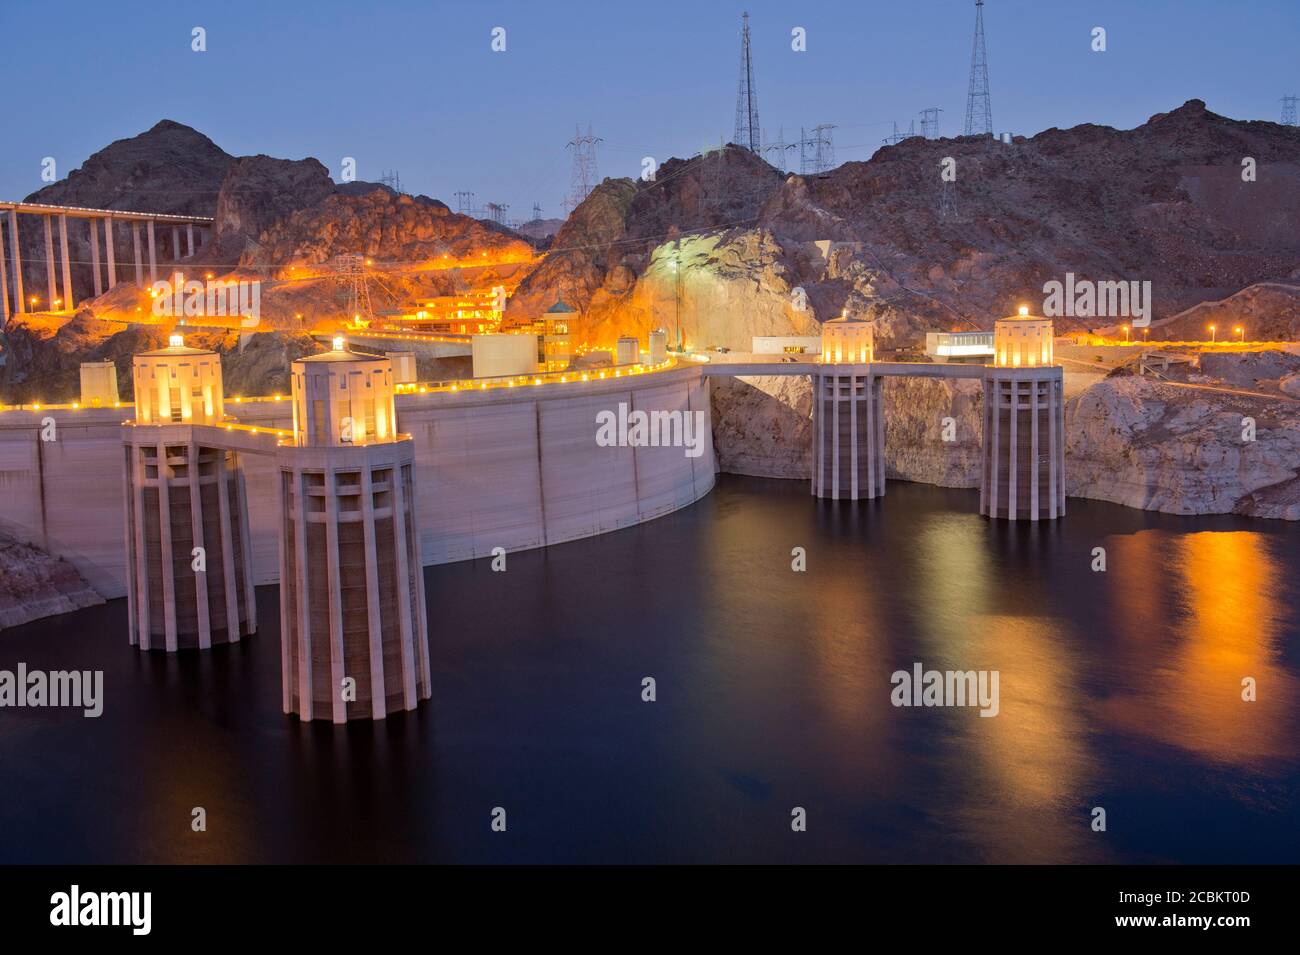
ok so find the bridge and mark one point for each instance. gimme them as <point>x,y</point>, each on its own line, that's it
<point>197,231</point>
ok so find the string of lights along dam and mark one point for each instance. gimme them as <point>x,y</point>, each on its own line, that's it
<point>353,625</point>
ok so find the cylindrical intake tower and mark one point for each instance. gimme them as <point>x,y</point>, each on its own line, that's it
<point>848,461</point>
<point>189,567</point>
<point>354,641</point>
<point>1024,423</point>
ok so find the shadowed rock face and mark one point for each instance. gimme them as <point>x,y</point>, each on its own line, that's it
<point>1163,203</point>
<point>33,584</point>
<point>259,191</point>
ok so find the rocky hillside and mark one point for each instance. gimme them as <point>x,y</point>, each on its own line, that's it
<point>1267,311</point>
<point>382,225</point>
<point>1163,203</point>
<point>33,584</point>
<point>169,168</point>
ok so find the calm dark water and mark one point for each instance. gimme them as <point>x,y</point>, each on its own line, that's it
<point>1119,689</point>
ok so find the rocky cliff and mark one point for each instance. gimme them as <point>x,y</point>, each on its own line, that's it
<point>1167,448</point>
<point>33,584</point>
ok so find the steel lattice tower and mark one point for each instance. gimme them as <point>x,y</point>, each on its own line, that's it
<point>774,152</point>
<point>930,122</point>
<point>1288,110</point>
<point>979,111</point>
<point>748,133</point>
<point>583,177</point>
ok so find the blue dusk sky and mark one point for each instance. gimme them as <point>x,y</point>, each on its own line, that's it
<point>416,87</point>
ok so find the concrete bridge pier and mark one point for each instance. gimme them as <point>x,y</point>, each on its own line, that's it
<point>69,302</point>
<point>15,253</point>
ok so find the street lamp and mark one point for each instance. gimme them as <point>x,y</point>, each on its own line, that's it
<point>1211,327</point>
<point>1241,334</point>
<point>1125,334</point>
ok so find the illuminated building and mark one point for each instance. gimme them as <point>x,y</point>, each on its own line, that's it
<point>627,351</point>
<point>189,576</point>
<point>557,337</point>
<point>353,627</point>
<point>99,384</point>
<point>848,461</point>
<point>1024,423</point>
<point>658,346</point>
<point>403,366</point>
<point>501,355</point>
<point>959,346</point>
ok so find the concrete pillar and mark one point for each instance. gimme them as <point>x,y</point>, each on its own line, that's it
<point>175,484</point>
<point>1024,443</point>
<point>848,437</point>
<point>108,251</point>
<point>15,253</point>
<point>94,256</point>
<point>135,244</point>
<point>4,280</point>
<point>189,239</point>
<point>153,254</point>
<point>51,288</point>
<point>351,590</point>
<point>176,243</point>
<point>68,301</point>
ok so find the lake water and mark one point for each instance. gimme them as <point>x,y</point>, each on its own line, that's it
<point>1120,690</point>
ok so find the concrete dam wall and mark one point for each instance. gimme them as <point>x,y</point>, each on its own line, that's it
<point>513,468</point>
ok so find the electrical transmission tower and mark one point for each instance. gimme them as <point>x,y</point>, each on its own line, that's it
<point>583,177</point>
<point>1288,110</point>
<point>947,205</point>
<point>537,211</point>
<point>816,152</point>
<point>465,203</point>
<point>748,133</point>
<point>897,136</point>
<point>392,180</point>
<point>497,212</point>
<point>774,152</point>
<point>351,272</point>
<point>979,111</point>
<point>930,122</point>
